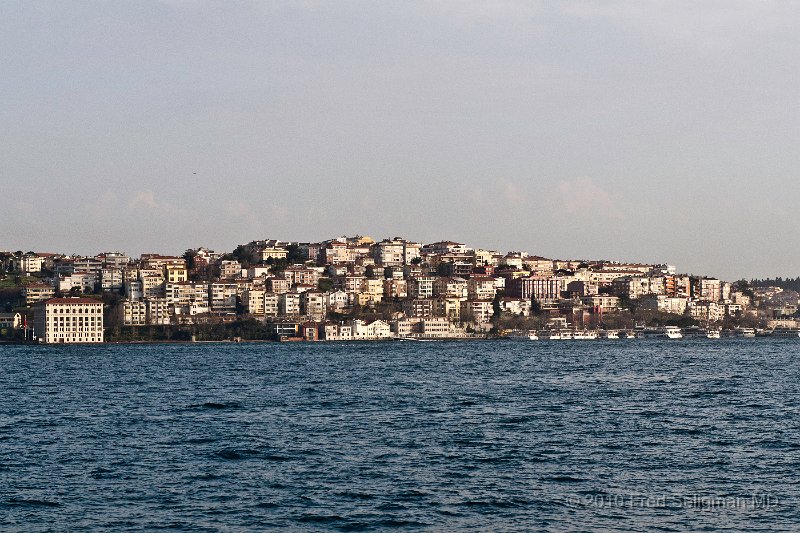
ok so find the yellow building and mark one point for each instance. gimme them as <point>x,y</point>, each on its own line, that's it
<point>175,273</point>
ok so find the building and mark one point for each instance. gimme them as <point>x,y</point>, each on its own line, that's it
<point>421,287</point>
<point>28,263</point>
<point>223,296</point>
<point>389,252</point>
<point>665,304</point>
<point>10,321</point>
<point>69,321</point>
<point>111,279</point>
<point>175,273</point>
<point>134,313</point>
<point>37,292</point>
<point>158,312</point>
<point>312,304</point>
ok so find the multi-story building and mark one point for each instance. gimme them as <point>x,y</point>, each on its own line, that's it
<point>419,307</point>
<point>186,293</point>
<point>421,287</point>
<point>665,304</point>
<point>111,279</point>
<point>515,306</point>
<point>480,311</point>
<point>114,259</point>
<point>253,300</point>
<point>133,290</point>
<point>69,320</point>
<point>446,247</point>
<point>28,263</point>
<point>176,273</point>
<point>272,303</point>
<point>448,306</point>
<point>134,313</point>
<point>228,268</point>
<point>301,275</point>
<point>289,304</point>
<point>411,251</point>
<point>37,292</point>
<point>153,286</point>
<point>453,287</point>
<point>278,285</point>
<point>389,252</point>
<point>223,296</point>
<point>313,305</point>
<point>601,303</point>
<point>395,288</point>
<point>158,311</point>
<point>481,287</point>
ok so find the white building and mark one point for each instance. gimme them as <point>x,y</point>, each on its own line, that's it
<point>69,320</point>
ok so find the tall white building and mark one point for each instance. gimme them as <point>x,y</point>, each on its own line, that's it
<point>69,320</point>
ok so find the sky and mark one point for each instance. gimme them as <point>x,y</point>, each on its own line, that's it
<point>659,131</point>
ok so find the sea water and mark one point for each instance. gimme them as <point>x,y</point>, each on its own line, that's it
<point>614,435</point>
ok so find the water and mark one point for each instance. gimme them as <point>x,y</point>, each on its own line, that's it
<point>625,435</point>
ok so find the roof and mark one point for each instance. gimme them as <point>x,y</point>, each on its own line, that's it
<point>71,301</point>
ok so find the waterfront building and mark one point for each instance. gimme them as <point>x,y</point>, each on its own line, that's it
<point>69,320</point>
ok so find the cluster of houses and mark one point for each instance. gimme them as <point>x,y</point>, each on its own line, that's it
<point>323,291</point>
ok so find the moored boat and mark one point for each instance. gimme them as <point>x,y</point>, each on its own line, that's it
<point>522,336</point>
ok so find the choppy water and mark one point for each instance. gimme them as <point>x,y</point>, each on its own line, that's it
<point>626,435</point>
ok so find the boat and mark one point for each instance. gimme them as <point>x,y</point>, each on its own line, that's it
<point>786,333</point>
<point>522,336</point>
<point>557,334</point>
<point>610,334</point>
<point>744,333</point>
<point>694,331</point>
<point>667,332</point>
<point>715,333</point>
<point>584,335</point>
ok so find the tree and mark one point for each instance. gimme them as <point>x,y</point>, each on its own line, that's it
<point>190,256</point>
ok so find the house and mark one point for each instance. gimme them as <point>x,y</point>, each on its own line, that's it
<point>377,329</point>
<point>310,331</point>
<point>10,321</point>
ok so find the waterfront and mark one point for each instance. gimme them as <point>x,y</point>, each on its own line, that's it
<point>609,435</point>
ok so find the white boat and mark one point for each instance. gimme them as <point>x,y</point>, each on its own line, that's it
<point>667,332</point>
<point>523,336</point>
<point>557,334</point>
<point>584,335</point>
<point>714,333</point>
<point>744,333</point>
<point>610,334</point>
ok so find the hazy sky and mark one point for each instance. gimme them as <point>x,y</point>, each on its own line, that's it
<point>661,131</point>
